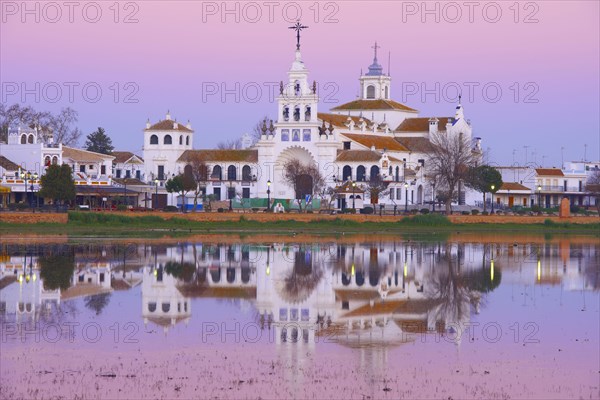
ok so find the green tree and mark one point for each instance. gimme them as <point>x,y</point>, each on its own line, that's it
<point>482,178</point>
<point>180,184</point>
<point>58,184</point>
<point>56,271</point>
<point>99,142</point>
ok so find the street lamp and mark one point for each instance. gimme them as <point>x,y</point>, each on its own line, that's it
<point>539,188</point>
<point>25,176</point>
<point>37,199</point>
<point>231,192</point>
<point>155,202</point>
<point>269,195</point>
<point>492,190</point>
<point>354,196</point>
<point>406,197</point>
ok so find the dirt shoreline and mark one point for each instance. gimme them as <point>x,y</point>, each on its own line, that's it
<point>61,218</point>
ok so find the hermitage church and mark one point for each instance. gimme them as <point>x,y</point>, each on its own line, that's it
<point>371,136</point>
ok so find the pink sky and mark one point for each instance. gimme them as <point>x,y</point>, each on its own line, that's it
<point>174,49</point>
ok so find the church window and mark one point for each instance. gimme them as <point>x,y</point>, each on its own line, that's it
<point>347,173</point>
<point>297,113</point>
<point>397,174</point>
<point>297,88</point>
<point>180,139</point>
<point>216,173</point>
<point>390,171</point>
<point>286,113</point>
<point>307,114</point>
<point>294,314</point>
<point>231,173</point>
<point>23,139</point>
<point>30,139</point>
<point>285,135</point>
<point>168,139</point>
<point>151,306</point>
<point>187,140</point>
<point>166,307</point>
<point>346,145</point>
<point>153,139</point>
<point>54,160</point>
<point>374,172</point>
<point>47,161</point>
<point>370,92</point>
<point>306,135</point>
<point>387,92</point>
<point>295,135</point>
<point>283,314</point>
<point>246,173</point>
<point>360,173</point>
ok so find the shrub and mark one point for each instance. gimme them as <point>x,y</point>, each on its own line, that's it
<point>220,209</point>
<point>170,209</point>
<point>18,206</point>
<point>426,220</point>
<point>424,210</point>
<point>575,208</point>
<point>535,208</point>
<point>243,219</point>
<point>485,213</point>
<point>309,211</point>
<point>465,213</point>
<point>121,207</point>
<point>367,210</point>
<point>521,212</point>
<point>475,212</point>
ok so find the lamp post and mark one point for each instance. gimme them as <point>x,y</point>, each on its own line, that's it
<point>354,197</point>
<point>230,195</point>
<point>25,176</point>
<point>492,191</point>
<point>269,195</point>
<point>406,197</point>
<point>539,188</point>
<point>155,202</point>
<point>37,202</point>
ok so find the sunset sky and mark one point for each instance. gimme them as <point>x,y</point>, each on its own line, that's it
<point>543,56</point>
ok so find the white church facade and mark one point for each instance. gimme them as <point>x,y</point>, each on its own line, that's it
<point>372,137</point>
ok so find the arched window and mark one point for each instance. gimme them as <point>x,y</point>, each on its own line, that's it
<point>231,173</point>
<point>347,173</point>
<point>387,92</point>
<point>168,139</point>
<point>346,279</point>
<point>374,172</point>
<point>187,171</point>
<point>246,173</point>
<point>23,139</point>
<point>152,306</point>
<point>359,278</point>
<point>47,161</point>
<point>217,173</point>
<point>166,307</point>
<point>370,92</point>
<point>297,88</point>
<point>374,274</point>
<point>215,275</point>
<point>187,140</point>
<point>297,113</point>
<point>397,174</point>
<point>30,139</point>
<point>390,171</point>
<point>360,173</point>
<point>54,160</point>
<point>180,139</point>
<point>230,275</point>
<point>245,274</point>
<point>153,139</point>
<point>286,113</point>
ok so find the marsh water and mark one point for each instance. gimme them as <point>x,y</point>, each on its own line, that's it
<point>463,316</point>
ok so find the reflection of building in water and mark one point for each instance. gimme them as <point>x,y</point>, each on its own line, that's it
<point>162,303</point>
<point>22,294</point>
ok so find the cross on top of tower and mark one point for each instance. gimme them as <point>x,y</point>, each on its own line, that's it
<point>375,47</point>
<point>298,27</point>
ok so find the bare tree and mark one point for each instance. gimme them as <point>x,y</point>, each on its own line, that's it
<point>376,187</point>
<point>14,114</point>
<point>593,188</point>
<point>200,174</point>
<point>449,159</point>
<point>230,144</point>
<point>296,174</point>
<point>60,126</point>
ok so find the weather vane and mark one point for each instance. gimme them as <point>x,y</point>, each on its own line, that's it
<point>298,27</point>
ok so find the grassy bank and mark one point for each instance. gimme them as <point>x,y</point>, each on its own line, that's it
<point>99,224</point>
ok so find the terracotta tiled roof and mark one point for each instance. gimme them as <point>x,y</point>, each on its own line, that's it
<point>549,171</point>
<point>79,155</point>
<point>380,142</point>
<point>249,156</point>
<point>415,144</point>
<point>360,155</point>
<point>421,124</point>
<point>340,120</point>
<point>123,156</point>
<point>513,186</point>
<point>227,292</point>
<point>351,294</point>
<point>374,105</point>
<point>169,125</point>
<point>8,165</point>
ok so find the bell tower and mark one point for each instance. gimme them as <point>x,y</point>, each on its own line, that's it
<point>375,85</point>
